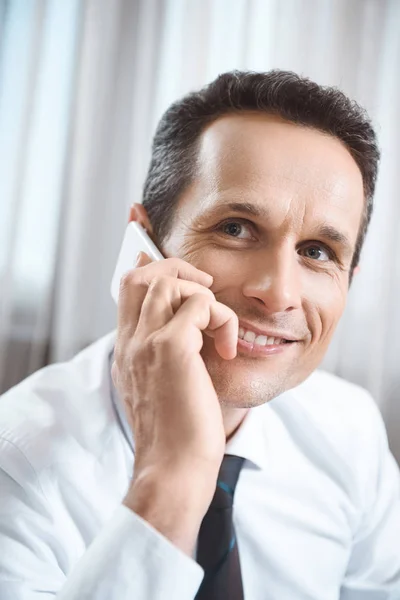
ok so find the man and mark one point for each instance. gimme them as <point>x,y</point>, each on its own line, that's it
<point>198,452</point>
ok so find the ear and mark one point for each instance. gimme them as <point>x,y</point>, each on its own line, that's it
<point>139,214</point>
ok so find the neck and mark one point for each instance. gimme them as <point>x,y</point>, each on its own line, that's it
<point>233,418</point>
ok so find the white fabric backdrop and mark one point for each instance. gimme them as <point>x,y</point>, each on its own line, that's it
<point>69,170</point>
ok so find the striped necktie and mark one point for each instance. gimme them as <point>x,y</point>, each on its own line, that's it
<point>217,548</point>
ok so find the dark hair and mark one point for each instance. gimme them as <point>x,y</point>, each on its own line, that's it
<point>294,98</point>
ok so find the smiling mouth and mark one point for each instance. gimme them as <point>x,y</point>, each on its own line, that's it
<point>261,340</point>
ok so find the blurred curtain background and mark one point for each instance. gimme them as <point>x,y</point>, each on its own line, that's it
<point>82,86</point>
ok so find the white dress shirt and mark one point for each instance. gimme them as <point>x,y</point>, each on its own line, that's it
<point>317,505</point>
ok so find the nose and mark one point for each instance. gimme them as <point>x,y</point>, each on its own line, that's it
<point>274,280</point>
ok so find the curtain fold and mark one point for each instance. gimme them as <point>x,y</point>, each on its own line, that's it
<point>76,120</point>
<point>37,65</point>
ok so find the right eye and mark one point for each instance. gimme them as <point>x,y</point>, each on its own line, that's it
<point>234,228</point>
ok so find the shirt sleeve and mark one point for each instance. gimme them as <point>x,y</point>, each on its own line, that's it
<point>128,560</point>
<point>373,571</point>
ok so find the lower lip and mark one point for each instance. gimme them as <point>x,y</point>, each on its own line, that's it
<point>257,350</point>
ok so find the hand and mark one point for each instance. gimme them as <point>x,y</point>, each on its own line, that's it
<point>170,402</point>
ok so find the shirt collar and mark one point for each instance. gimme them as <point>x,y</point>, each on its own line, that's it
<point>250,441</point>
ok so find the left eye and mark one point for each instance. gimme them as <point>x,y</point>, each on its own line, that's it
<point>234,228</point>
<point>317,253</point>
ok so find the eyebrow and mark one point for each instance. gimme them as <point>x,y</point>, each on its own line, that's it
<point>327,232</point>
<point>247,207</point>
<point>334,235</point>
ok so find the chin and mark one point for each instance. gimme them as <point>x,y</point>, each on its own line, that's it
<point>241,382</point>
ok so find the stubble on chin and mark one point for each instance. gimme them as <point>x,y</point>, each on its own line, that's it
<point>243,392</point>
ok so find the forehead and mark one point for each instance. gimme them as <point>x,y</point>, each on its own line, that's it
<point>293,170</point>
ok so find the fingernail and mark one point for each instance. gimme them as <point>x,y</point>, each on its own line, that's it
<point>138,257</point>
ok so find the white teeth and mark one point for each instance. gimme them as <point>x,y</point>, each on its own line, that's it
<point>249,336</point>
<point>260,340</point>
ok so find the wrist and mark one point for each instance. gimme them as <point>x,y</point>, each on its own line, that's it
<point>174,504</point>
<point>186,491</point>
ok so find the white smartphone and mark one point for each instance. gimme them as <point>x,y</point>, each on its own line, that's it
<point>135,240</point>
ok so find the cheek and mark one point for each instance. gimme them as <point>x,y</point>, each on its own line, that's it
<point>324,301</point>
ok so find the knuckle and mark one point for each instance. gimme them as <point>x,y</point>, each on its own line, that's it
<point>162,344</point>
<point>172,266</point>
<point>209,293</point>
<point>202,300</point>
<point>161,282</point>
<point>129,278</point>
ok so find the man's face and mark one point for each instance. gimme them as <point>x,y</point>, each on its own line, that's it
<point>273,215</point>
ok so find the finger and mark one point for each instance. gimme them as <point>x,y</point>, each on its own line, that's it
<point>164,297</point>
<point>135,283</point>
<point>129,309</point>
<point>200,314</point>
<point>175,267</point>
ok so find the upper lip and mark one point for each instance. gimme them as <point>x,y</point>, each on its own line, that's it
<point>268,332</point>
